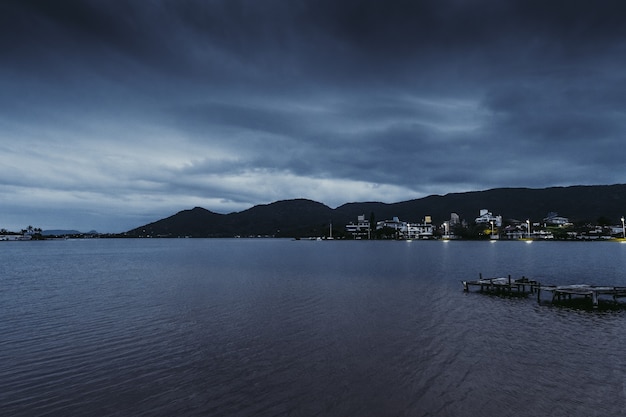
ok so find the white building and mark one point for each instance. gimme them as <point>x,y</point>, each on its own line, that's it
<point>418,231</point>
<point>487,217</point>
<point>360,229</point>
<point>407,230</point>
<point>395,224</point>
<point>16,237</point>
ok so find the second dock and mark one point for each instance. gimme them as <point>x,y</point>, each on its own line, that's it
<point>524,287</point>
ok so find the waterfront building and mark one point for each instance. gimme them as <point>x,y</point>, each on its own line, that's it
<point>418,230</point>
<point>407,230</point>
<point>394,224</point>
<point>487,217</point>
<point>14,237</point>
<point>359,230</point>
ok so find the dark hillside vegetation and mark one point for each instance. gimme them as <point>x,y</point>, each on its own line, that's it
<point>302,218</point>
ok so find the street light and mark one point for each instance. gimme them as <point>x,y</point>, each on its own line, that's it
<point>528,228</point>
<point>623,229</point>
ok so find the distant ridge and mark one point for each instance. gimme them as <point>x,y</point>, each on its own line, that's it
<point>60,232</point>
<point>302,217</point>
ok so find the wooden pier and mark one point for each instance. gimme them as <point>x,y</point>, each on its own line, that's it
<point>559,293</point>
<point>592,292</point>
<point>504,286</point>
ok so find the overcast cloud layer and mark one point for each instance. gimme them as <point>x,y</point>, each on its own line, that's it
<point>114,114</point>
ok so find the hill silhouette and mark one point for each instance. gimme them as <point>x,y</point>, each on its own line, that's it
<point>302,217</point>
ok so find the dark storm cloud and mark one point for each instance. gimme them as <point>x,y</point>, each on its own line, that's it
<point>228,103</point>
<point>364,44</point>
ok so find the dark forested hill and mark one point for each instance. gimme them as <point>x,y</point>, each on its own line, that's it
<point>287,218</point>
<point>302,217</point>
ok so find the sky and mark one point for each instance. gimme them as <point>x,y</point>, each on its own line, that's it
<point>117,113</point>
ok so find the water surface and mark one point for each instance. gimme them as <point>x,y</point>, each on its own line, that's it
<point>239,327</point>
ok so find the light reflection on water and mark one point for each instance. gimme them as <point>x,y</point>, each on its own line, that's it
<point>278,327</point>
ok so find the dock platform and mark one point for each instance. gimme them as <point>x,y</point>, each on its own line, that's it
<point>559,293</point>
<point>591,292</point>
<point>503,285</point>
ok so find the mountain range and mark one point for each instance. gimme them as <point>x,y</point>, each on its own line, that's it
<point>301,217</point>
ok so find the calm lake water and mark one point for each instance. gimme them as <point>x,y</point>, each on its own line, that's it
<point>195,327</point>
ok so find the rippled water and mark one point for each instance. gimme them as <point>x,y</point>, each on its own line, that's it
<point>301,328</point>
